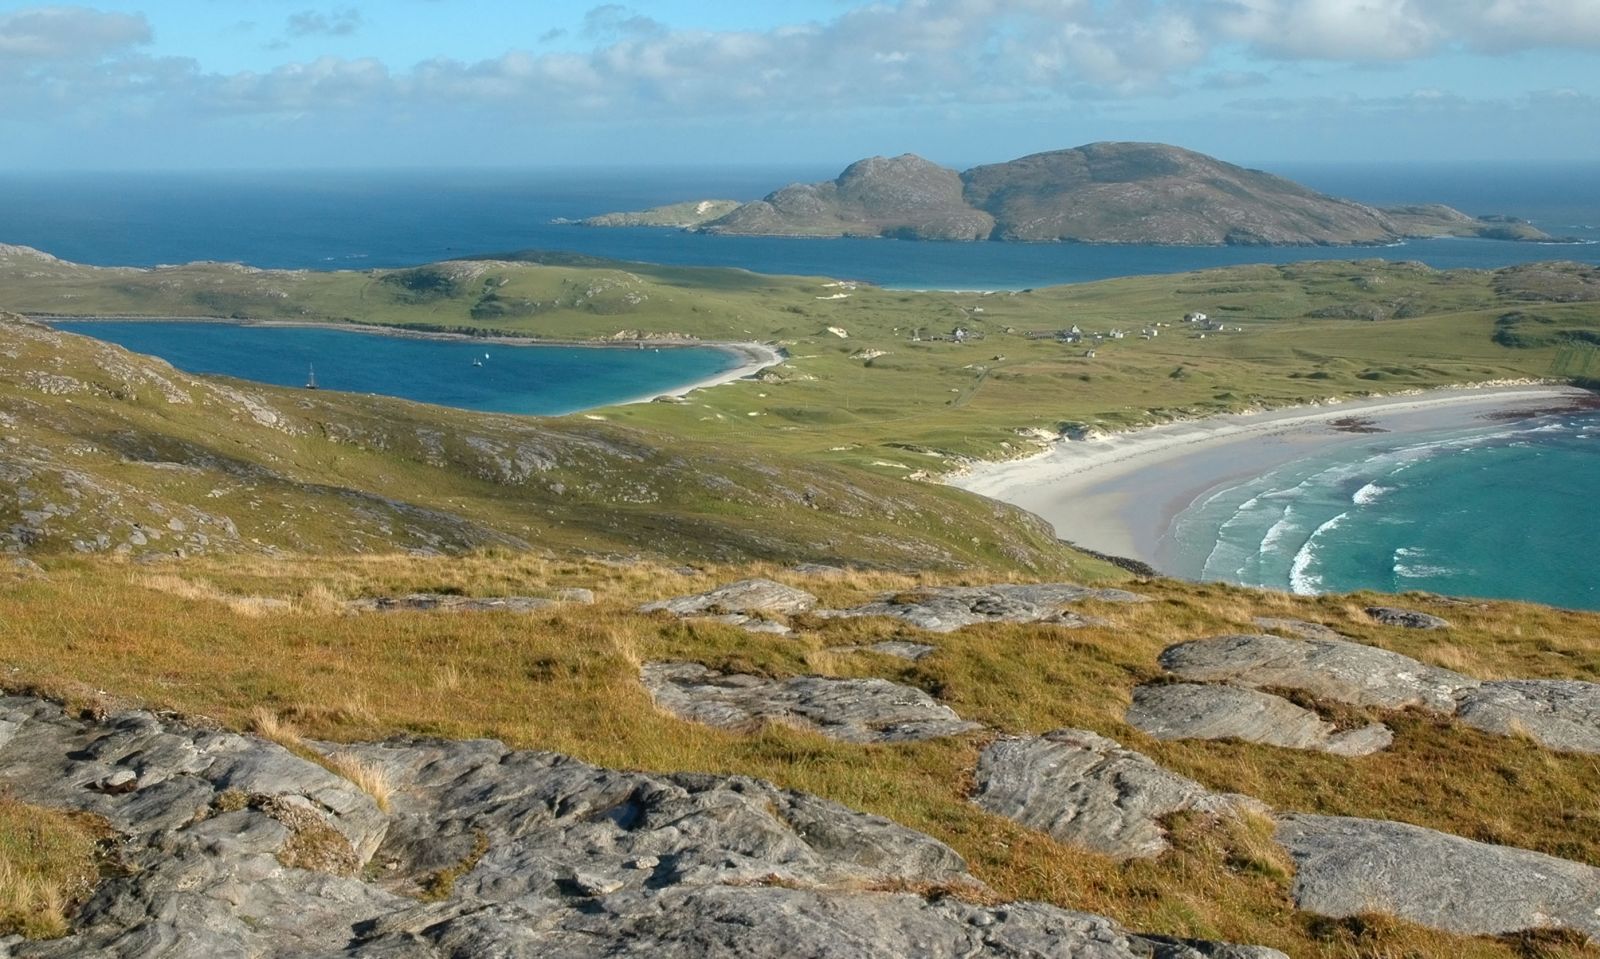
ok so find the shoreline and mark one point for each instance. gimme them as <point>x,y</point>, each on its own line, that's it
<point>1120,493</point>
<point>752,357</point>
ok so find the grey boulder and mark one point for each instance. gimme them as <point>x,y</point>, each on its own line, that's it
<point>446,603</point>
<point>1346,867</point>
<point>851,710</point>
<point>1195,711</point>
<point>1333,669</point>
<point>898,648</point>
<point>1558,714</point>
<point>901,649</point>
<point>1406,618</point>
<point>1088,791</point>
<point>945,609</point>
<point>233,847</point>
<point>747,596</point>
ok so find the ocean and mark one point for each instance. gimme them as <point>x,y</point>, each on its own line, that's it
<point>389,219</point>
<point>1503,510</point>
<point>1499,512</point>
<point>467,374</point>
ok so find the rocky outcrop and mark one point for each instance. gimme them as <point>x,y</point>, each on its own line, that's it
<point>231,845</point>
<point>1086,790</point>
<point>893,647</point>
<point>1332,669</point>
<point>746,596</point>
<point>447,603</point>
<point>1406,618</point>
<point>1347,867</point>
<point>1194,711</point>
<point>235,847</point>
<point>772,922</point>
<point>851,710</point>
<point>945,609</point>
<point>531,822</point>
<point>745,604</point>
<point>1557,714</point>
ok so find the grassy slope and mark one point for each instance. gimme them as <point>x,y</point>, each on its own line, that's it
<point>690,213</point>
<point>48,863</point>
<point>101,442</point>
<point>193,637</point>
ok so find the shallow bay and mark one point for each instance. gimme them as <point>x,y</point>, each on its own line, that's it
<point>464,373</point>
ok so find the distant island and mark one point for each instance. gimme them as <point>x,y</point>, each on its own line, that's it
<point>1113,193</point>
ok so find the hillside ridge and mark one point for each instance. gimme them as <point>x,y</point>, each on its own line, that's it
<point>1103,193</point>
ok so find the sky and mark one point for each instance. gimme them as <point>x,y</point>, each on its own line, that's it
<point>289,84</point>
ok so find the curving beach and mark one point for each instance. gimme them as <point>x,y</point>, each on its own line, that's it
<point>1120,493</point>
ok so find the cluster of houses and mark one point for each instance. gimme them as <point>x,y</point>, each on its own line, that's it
<point>1199,323</point>
<point>960,334</point>
<point>1075,335</point>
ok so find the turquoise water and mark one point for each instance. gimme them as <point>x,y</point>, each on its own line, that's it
<point>1502,511</point>
<point>546,380</point>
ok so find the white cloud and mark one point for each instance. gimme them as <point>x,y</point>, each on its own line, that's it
<point>68,33</point>
<point>885,54</point>
<point>1377,30</point>
<point>338,23</point>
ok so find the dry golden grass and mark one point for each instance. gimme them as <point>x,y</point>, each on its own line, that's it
<point>372,780</point>
<point>47,864</point>
<point>270,726</point>
<point>566,679</point>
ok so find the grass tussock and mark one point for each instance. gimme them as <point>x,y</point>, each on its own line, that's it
<point>47,865</point>
<point>270,726</point>
<point>566,679</point>
<point>371,779</point>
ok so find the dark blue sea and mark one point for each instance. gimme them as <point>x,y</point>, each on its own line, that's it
<point>386,219</point>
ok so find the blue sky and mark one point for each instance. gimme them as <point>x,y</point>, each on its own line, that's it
<point>180,84</point>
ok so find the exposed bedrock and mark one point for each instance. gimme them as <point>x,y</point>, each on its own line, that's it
<point>1218,711</point>
<point>1333,669</point>
<point>945,609</point>
<point>1346,867</point>
<point>1089,791</point>
<point>852,710</point>
<point>236,847</point>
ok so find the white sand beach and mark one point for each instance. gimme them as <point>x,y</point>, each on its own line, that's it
<point>1120,493</point>
<point>755,357</point>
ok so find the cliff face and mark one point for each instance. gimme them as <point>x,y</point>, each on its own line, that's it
<point>1146,193</point>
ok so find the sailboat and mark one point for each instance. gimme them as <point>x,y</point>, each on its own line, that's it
<point>311,377</point>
